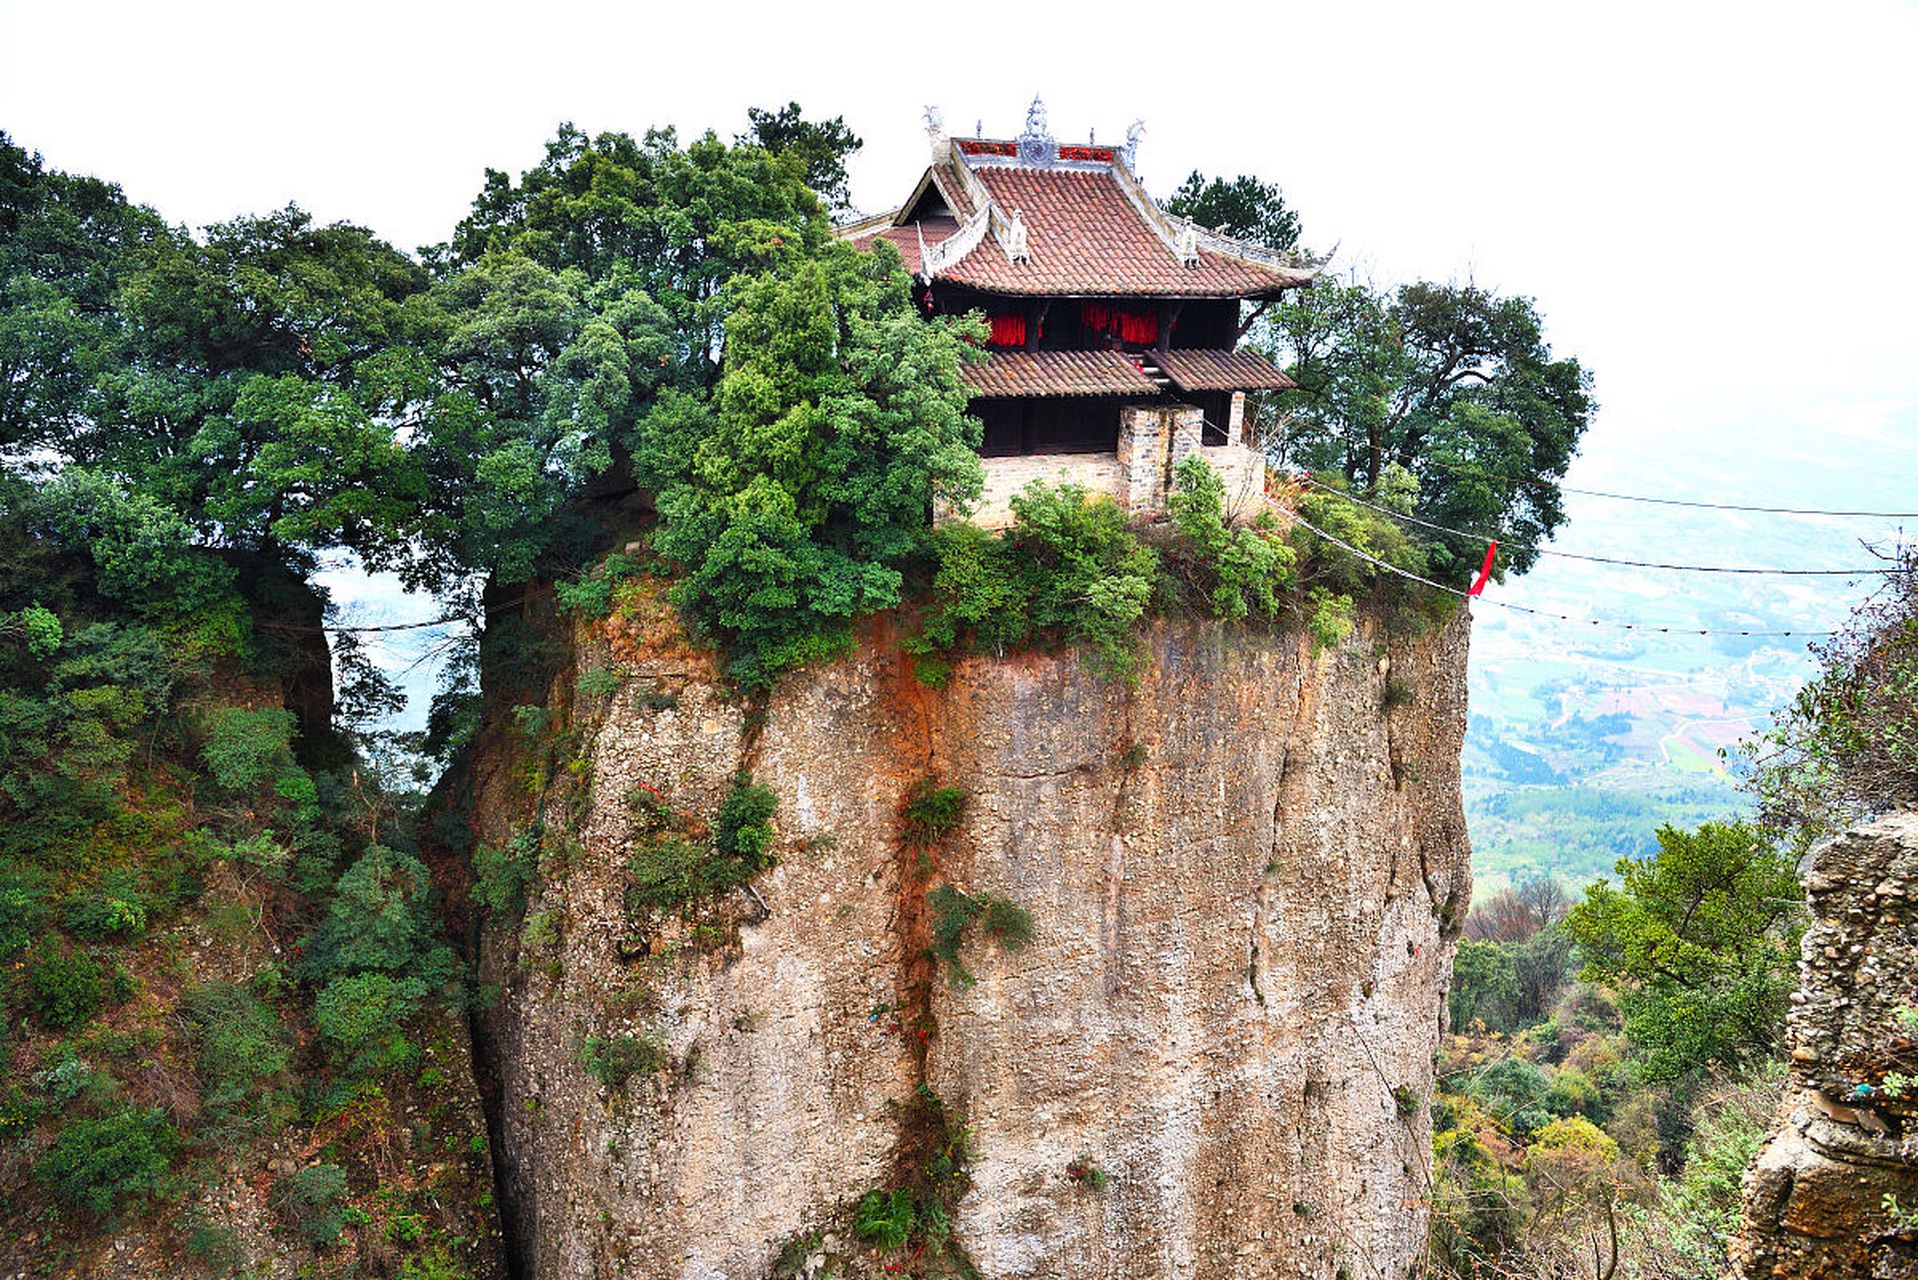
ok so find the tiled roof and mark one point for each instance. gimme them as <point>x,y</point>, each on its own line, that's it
<point>1085,236</point>
<point>906,238</point>
<point>1205,369</point>
<point>1058,373</point>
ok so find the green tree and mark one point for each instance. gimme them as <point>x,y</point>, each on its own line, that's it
<point>820,148</point>
<point>1701,941</point>
<point>796,497</point>
<point>1847,745</point>
<point>1484,986</point>
<point>1242,207</point>
<point>1450,381</point>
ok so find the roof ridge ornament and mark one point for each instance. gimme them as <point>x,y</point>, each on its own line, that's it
<point>936,132</point>
<point>1037,148</point>
<point>1015,239</point>
<point>1130,151</point>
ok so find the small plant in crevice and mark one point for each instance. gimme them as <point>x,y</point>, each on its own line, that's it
<point>934,1173</point>
<point>1406,1101</point>
<point>955,913</point>
<point>599,682</point>
<point>1087,1174</point>
<point>885,1219</point>
<point>613,1060</point>
<point>1397,693</point>
<point>931,812</point>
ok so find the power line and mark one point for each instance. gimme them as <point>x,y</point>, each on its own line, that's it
<point>1663,502</point>
<point>1574,555</point>
<point>1543,613</point>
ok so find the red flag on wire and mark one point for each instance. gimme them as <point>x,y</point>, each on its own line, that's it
<point>1485,570</point>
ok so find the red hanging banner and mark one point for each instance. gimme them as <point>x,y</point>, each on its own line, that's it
<point>1485,570</point>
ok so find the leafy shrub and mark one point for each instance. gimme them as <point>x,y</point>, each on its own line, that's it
<point>745,821</point>
<point>1513,1090</point>
<point>1092,576</point>
<point>931,812</point>
<point>312,1203</point>
<point>244,1058</point>
<point>613,1060</point>
<point>216,1248</point>
<point>1375,537</point>
<point>591,594</point>
<point>670,868</point>
<point>1252,566</point>
<point>103,1163</point>
<point>981,592</point>
<point>22,899</point>
<point>502,876</point>
<point>117,906</point>
<point>245,746</point>
<point>599,682</point>
<point>436,1263</point>
<point>64,1076</point>
<point>885,1219</point>
<point>64,987</point>
<point>1330,621</point>
<point>40,627</point>
<point>954,913</point>
<point>362,1019</point>
<point>667,871</point>
<point>381,918</point>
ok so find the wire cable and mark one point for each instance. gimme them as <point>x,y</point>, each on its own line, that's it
<point>1574,555</point>
<point>1543,613</point>
<point>1400,455</point>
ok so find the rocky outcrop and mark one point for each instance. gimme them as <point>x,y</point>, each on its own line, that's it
<point>1847,1134</point>
<point>1245,875</point>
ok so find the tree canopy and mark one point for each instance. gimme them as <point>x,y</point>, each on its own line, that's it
<point>1449,382</point>
<point>821,148</point>
<point>1243,207</point>
<point>1701,939</point>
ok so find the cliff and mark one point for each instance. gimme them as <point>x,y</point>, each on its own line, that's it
<point>1212,1059</point>
<point>1846,1138</point>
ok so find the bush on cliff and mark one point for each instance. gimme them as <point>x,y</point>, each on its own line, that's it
<point>796,496</point>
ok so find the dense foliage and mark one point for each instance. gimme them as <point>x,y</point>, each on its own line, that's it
<point>1450,383</point>
<point>1243,207</point>
<point>1702,943</point>
<point>1847,746</point>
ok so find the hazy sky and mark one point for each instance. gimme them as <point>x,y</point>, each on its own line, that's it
<point>1715,206</point>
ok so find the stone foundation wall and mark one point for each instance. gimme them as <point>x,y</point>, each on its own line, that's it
<point>1153,440</point>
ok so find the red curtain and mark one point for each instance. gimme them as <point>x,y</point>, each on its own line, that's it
<point>1006,331</point>
<point>1128,327</point>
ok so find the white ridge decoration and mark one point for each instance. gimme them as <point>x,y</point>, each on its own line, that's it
<point>955,246</point>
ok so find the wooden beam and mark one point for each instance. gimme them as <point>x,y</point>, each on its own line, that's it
<point>1035,317</point>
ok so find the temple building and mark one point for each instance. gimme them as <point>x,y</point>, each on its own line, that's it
<point>1113,323</point>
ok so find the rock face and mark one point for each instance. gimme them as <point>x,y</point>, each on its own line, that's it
<point>1245,876</point>
<point>1845,1138</point>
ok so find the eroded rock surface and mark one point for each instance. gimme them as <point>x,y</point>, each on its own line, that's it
<point>1815,1198</point>
<point>1245,876</point>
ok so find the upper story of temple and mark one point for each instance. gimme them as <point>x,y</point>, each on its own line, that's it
<point>1113,323</point>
